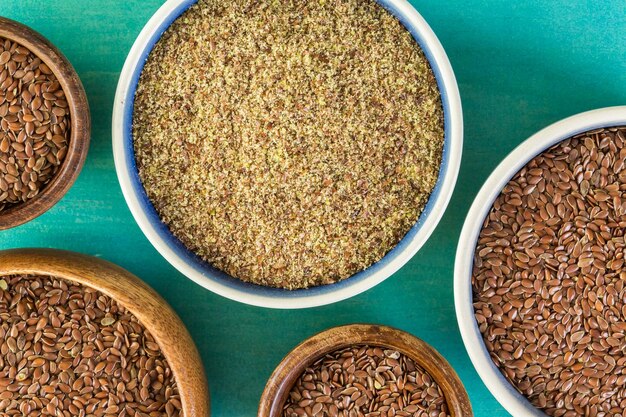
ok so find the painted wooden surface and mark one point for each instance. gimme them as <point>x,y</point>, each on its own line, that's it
<point>520,66</point>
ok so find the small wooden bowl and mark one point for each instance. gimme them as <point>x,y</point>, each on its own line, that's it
<point>79,119</point>
<point>306,353</point>
<point>138,298</point>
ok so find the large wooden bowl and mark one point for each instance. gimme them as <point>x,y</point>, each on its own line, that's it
<point>138,298</point>
<point>305,354</point>
<point>80,123</point>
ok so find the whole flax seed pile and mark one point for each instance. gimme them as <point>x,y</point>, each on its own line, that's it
<point>69,350</point>
<point>365,381</point>
<point>288,143</point>
<point>34,125</point>
<point>549,281</point>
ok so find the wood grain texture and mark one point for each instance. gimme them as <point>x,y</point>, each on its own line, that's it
<point>79,119</point>
<point>305,354</point>
<point>138,298</point>
<point>520,66</point>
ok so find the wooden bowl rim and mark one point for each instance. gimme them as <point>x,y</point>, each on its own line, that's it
<point>132,293</point>
<point>313,348</point>
<point>80,122</point>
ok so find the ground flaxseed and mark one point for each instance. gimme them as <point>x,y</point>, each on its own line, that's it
<point>288,143</point>
<point>68,350</point>
<point>549,282</point>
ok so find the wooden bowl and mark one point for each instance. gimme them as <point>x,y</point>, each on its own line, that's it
<point>306,353</point>
<point>79,119</point>
<point>138,298</point>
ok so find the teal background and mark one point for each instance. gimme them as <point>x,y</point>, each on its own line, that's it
<point>520,66</point>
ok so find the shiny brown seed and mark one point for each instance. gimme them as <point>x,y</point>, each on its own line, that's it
<point>4,57</point>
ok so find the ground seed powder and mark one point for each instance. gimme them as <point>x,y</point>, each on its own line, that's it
<point>288,143</point>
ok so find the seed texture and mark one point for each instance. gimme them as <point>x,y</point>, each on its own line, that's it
<point>34,124</point>
<point>288,143</point>
<point>365,381</point>
<point>68,350</point>
<point>549,279</point>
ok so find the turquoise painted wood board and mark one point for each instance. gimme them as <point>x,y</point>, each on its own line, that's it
<point>520,66</point>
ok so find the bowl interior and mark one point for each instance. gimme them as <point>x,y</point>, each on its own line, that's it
<point>138,298</point>
<point>293,365</point>
<point>499,386</point>
<point>79,118</point>
<point>205,274</point>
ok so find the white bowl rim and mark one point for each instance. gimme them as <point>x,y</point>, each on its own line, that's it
<point>502,390</point>
<point>316,296</point>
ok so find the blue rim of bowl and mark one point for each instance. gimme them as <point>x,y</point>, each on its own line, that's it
<point>207,270</point>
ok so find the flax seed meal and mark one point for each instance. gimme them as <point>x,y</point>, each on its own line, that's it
<point>288,143</point>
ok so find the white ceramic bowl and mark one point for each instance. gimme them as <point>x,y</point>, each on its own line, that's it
<point>207,276</point>
<point>513,401</point>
